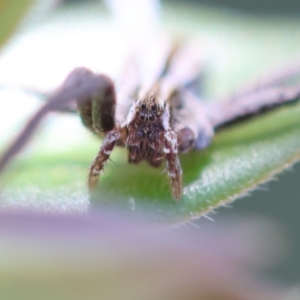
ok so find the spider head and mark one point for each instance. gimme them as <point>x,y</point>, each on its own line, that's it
<point>149,109</point>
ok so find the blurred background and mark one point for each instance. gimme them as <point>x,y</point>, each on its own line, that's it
<point>278,199</point>
<point>265,6</point>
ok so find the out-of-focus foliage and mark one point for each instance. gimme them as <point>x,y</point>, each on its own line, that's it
<point>108,256</point>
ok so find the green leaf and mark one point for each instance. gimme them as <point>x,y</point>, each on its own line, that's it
<point>239,159</point>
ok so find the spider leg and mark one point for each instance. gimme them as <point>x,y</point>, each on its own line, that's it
<point>173,163</point>
<point>97,110</point>
<point>128,83</point>
<point>97,166</point>
<point>180,87</point>
<point>186,70</point>
<point>225,113</point>
<point>189,119</point>
<point>278,76</point>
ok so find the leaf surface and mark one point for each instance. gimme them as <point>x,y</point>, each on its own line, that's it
<point>239,159</point>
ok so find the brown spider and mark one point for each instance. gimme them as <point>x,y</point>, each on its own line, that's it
<point>161,118</point>
<point>154,123</point>
<point>165,117</point>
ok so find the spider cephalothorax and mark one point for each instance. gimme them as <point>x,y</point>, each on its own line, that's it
<point>145,127</point>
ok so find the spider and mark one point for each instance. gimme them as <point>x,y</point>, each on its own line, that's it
<point>165,116</point>
<point>160,118</point>
<point>155,122</point>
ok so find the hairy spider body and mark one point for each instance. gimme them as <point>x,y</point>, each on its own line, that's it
<point>146,123</point>
<point>163,117</point>
<point>150,137</point>
<point>146,133</point>
<point>154,124</point>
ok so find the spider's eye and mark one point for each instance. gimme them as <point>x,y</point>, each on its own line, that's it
<point>142,117</point>
<point>143,106</point>
<point>154,107</point>
<point>151,118</point>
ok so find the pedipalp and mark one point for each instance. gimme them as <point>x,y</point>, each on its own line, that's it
<point>173,163</point>
<point>103,155</point>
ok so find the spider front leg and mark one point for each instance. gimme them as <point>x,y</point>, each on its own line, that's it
<point>98,164</point>
<point>97,112</point>
<point>173,163</point>
<point>97,109</point>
